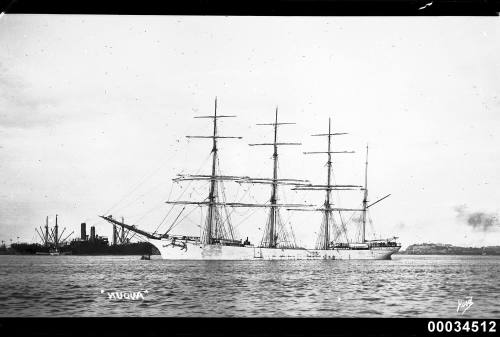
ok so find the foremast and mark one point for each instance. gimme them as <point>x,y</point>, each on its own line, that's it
<point>207,234</point>
<point>214,230</point>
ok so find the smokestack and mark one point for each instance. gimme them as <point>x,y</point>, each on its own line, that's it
<point>83,231</point>
<point>92,233</point>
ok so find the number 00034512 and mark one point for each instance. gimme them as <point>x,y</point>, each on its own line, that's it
<point>460,326</point>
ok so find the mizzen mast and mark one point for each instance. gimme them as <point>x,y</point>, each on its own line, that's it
<point>327,209</point>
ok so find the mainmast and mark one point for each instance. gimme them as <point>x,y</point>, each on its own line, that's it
<point>365,198</point>
<point>270,236</point>
<point>327,209</point>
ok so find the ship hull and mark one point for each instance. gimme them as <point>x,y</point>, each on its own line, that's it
<point>374,253</point>
<point>197,251</point>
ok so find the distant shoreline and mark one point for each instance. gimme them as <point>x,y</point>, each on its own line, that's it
<point>447,249</point>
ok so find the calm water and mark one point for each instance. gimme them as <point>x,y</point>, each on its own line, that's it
<point>407,286</point>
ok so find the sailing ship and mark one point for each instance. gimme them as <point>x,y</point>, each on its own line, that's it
<point>218,240</point>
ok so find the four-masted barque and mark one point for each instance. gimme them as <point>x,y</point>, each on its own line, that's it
<point>218,241</point>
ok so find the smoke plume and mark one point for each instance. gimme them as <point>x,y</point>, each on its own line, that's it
<point>480,221</point>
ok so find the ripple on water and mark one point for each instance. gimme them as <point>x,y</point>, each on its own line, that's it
<point>404,287</point>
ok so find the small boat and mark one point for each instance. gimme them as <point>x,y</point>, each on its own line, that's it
<point>146,257</point>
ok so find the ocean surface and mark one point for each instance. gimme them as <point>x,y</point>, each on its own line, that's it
<point>407,286</point>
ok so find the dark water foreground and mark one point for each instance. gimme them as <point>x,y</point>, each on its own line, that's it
<point>407,286</point>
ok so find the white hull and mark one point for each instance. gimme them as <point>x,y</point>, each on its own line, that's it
<point>374,253</point>
<point>198,251</point>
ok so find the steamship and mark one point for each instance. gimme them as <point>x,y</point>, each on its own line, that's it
<point>218,241</point>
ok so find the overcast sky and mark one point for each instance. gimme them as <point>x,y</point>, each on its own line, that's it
<point>94,111</point>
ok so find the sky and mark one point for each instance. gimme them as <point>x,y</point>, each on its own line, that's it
<point>94,111</point>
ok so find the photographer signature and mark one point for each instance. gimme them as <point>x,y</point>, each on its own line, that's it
<point>464,305</point>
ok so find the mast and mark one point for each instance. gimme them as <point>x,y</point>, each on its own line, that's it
<point>56,234</point>
<point>272,227</point>
<point>270,236</point>
<point>213,228</point>
<point>328,211</point>
<point>46,239</point>
<point>365,198</point>
<point>327,207</point>
<point>324,235</point>
<point>207,237</point>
